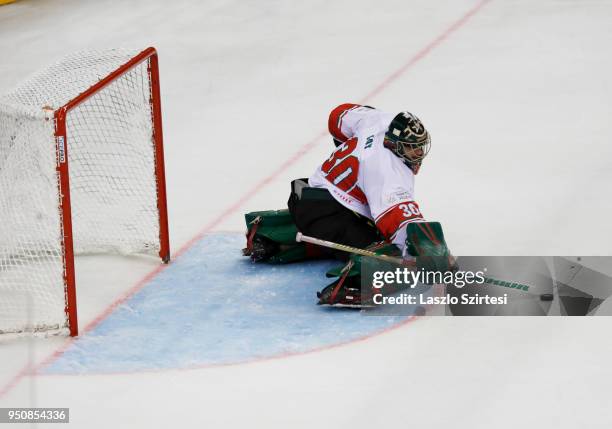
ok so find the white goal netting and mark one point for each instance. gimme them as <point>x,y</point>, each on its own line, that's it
<point>113,190</point>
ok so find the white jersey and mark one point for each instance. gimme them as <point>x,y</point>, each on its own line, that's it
<point>366,177</point>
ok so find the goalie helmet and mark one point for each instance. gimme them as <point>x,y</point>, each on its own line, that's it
<point>408,139</point>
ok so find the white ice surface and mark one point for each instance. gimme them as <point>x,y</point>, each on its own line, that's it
<point>518,104</point>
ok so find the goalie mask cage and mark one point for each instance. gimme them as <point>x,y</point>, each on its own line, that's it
<point>81,171</point>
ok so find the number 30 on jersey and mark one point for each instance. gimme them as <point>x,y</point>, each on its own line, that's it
<point>342,169</point>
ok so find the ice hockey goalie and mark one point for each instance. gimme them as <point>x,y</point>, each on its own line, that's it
<point>361,196</point>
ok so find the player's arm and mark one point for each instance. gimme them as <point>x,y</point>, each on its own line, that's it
<point>392,222</point>
<point>389,189</point>
<point>343,121</point>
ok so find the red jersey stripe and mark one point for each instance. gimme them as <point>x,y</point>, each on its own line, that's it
<point>334,123</point>
<point>396,216</point>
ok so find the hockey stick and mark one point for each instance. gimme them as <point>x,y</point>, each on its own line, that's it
<point>344,248</point>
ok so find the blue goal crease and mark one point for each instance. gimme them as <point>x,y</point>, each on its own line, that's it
<point>213,306</point>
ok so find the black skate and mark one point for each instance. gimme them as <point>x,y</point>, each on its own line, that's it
<point>260,249</point>
<point>343,293</point>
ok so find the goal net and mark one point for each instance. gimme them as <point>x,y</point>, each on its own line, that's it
<point>81,171</point>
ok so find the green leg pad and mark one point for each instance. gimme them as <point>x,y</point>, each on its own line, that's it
<point>277,227</point>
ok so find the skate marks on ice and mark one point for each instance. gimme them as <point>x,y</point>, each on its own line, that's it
<point>214,307</point>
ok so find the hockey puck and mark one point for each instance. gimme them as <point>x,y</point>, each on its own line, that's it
<point>546,297</point>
